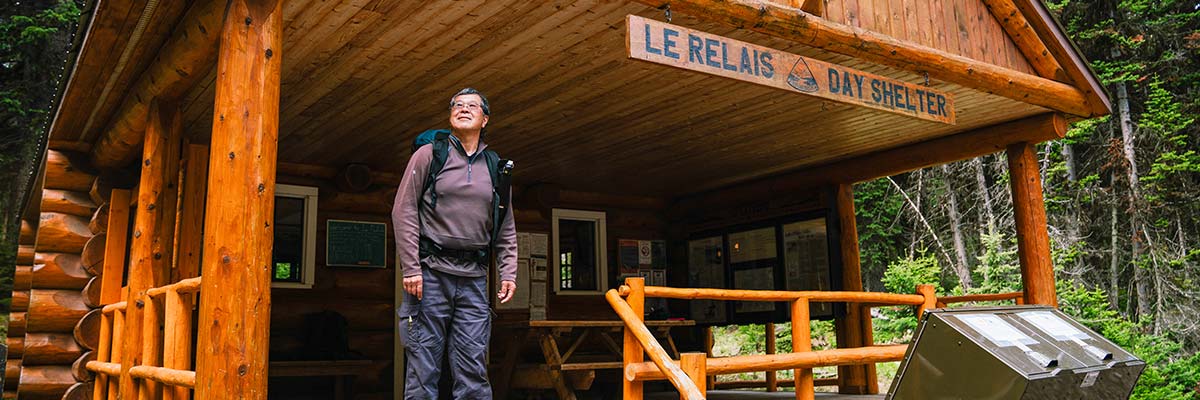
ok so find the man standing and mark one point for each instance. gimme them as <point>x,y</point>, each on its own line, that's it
<point>445,237</point>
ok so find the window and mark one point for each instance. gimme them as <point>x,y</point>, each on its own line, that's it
<point>295,243</point>
<point>580,238</point>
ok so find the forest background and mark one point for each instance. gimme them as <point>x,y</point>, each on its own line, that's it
<point>1122,192</point>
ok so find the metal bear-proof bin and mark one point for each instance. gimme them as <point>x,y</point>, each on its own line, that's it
<point>1001,353</point>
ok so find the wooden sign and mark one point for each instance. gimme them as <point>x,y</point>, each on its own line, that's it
<point>355,244</point>
<point>673,45</point>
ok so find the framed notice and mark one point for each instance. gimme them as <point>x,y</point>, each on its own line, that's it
<point>806,260</point>
<point>355,244</point>
<point>754,260</point>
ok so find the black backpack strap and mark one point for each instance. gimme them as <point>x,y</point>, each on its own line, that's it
<point>500,194</point>
<point>441,150</point>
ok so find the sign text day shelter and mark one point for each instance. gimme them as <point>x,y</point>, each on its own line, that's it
<point>673,45</point>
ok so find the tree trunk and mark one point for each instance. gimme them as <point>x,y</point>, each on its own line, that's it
<point>1114,265</point>
<point>985,192</point>
<point>1140,278</point>
<point>961,268</point>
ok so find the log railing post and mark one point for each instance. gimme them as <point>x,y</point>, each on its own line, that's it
<point>1029,214</point>
<point>852,379</point>
<point>696,367</point>
<point>709,382</point>
<point>178,339</point>
<point>633,351</point>
<point>151,347</point>
<point>930,295</point>
<point>769,330</point>
<point>153,228</point>
<point>802,342</point>
<point>118,338</point>
<point>103,353</point>
<point>238,227</point>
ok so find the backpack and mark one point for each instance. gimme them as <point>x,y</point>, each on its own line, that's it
<point>499,169</point>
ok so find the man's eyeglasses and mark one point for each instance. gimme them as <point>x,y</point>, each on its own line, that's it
<point>470,106</point>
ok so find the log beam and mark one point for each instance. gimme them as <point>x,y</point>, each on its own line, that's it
<point>59,271</point>
<point>54,310</point>
<point>92,258</point>
<point>153,230</point>
<point>182,62</point>
<point>64,171</point>
<point>23,278</point>
<point>99,222</point>
<point>50,349</point>
<point>238,236</point>
<point>64,233</point>
<point>67,202</point>
<point>87,330</point>
<point>1033,237</point>
<point>801,27</point>
<point>45,382</point>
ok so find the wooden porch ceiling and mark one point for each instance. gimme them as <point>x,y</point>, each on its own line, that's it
<point>362,78</point>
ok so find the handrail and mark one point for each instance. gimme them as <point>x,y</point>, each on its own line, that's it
<point>802,360</point>
<point>173,377</point>
<point>776,362</point>
<point>190,285</point>
<point>106,368</point>
<point>1019,297</point>
<point>662,361</point>
<point>778,295</point>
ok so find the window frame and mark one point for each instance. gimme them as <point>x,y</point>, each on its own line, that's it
<point>600,219</point>
<point>309,194</point>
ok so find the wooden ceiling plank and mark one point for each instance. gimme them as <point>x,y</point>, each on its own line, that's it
<point>435,36</point>
<point>458,66</point>
<point>342,58</point>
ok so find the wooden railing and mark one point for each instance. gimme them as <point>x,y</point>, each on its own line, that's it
<point>688,374</point>
<point>166,352</point>
<point>1016,297</point>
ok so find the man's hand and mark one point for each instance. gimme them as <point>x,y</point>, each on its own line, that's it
<point>507,289</point>
<point>413,285</point>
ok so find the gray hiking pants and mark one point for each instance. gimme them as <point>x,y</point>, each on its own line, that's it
<point>453,316</point>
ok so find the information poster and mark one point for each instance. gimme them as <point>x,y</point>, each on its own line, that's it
<point>627,252</point>
<point>806,259</point>
<point>706,268</point>
<point>753,257</point>
<point>520,299</point>
<point>355,244</point>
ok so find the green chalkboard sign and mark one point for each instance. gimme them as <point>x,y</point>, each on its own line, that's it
<point>355,244</point>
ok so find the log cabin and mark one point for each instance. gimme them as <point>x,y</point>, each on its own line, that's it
<point>211,217</point>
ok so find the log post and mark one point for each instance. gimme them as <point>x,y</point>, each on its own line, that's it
<point>696,367</point>
<point>930,299</point>
<point>852,379</point>
<point>1029,213</point>
<point>238,234</point>
<point>710,382</point>
<point>153,229</point>
<point>114,250</point>
<point>191,216</point>
<point>633,351</point>
<point>178,339</point>
<point>802,342</point>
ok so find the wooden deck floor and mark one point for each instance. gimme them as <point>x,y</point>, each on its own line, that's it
<point>750,395</point>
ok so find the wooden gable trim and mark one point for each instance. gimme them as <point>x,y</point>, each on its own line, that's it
<point>1026,39</point>
<point>1057,43</point>
<point>801,27</point>
<point>181,62</point>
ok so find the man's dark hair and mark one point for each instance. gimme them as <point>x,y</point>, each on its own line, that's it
<point>486,110</point>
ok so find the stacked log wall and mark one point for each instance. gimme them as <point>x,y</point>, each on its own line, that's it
<point>363,296</point>
<point>49,300</point>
